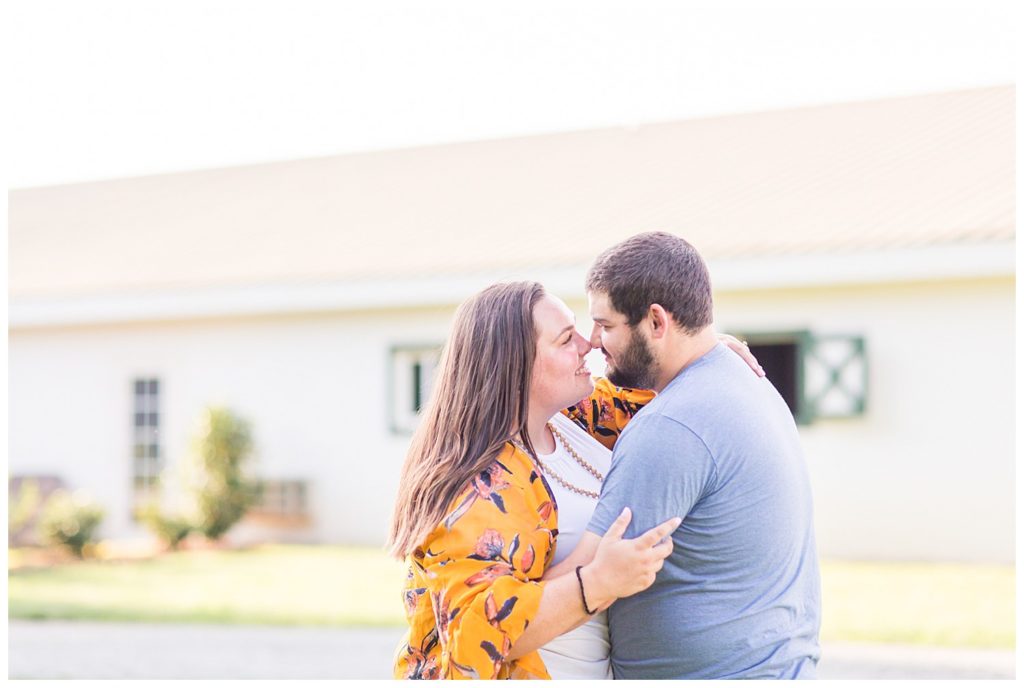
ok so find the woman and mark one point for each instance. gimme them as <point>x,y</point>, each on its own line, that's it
<point>477,519</point>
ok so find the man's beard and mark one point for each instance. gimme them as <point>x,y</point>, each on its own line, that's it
<point>634,367</point>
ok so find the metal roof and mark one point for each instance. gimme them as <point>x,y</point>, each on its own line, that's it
<point>921,171</point>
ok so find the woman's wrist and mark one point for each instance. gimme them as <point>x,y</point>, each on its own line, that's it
<point>593,590</point>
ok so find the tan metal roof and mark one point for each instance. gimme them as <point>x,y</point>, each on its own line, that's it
<point>898,173</point>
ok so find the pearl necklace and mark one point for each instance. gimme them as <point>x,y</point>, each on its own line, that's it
<point>579,459</point>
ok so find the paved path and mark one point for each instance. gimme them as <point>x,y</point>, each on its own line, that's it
<point>87,650</point>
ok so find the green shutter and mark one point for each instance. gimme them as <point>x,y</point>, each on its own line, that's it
<point>835,376</point>
<point>831,372</point>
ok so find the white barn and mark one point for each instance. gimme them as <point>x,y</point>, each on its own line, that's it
<point>309,296</point>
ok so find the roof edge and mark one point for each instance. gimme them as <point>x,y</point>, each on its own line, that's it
<point>950,262</point>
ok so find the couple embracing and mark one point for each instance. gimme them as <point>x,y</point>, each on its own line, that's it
<point>656,523</point>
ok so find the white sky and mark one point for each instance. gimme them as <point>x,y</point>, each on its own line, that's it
<point>115,89</point>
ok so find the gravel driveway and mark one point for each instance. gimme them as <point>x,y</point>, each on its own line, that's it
<point>88,650</point>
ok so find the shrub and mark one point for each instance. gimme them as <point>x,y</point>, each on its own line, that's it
<point>224,493</point>
<point>70,520</point>
<point>171,529</point>
<point>22,507</point>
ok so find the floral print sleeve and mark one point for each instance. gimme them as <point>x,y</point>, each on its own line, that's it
<point>605,413</point>
<point>474,585</point>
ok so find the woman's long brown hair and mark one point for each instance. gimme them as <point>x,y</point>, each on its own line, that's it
<point>479,401</point>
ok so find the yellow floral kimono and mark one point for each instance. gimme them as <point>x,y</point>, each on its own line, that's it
<point>474,584</point>
<point>606,411</point>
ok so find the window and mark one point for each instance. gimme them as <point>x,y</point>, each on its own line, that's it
<point>412,375</point>
<point>281,498</point>
<point>818,375</point>
<point>146,453</point>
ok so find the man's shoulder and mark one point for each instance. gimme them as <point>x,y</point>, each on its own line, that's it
<point>711,391</point>
<point>654,428</point>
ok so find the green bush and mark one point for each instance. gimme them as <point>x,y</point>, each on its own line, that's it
<point>70,521</point>
<point>21,507</point>
<point>171,529</point>
<point>224,493</point>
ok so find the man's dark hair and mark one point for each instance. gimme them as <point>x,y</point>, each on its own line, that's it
<point>655,267</point>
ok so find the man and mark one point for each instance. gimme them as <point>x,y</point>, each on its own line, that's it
<point>739,597</point>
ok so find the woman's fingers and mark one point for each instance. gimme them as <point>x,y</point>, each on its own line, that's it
<point>663,549</point>
<point>619,525</point>
<point>629,566</point>
<point>659,532</point>
<point>743,350</point>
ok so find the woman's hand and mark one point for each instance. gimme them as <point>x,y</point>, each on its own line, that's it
<point>624,567</point>
<point>743,350</point>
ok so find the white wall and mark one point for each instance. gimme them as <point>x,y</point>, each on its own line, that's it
<point>312,386</point>
<point>927,473</point>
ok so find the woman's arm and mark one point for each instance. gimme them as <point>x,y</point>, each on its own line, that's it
<point>605,413</point>
<point>582,555</point>
<point>493,616</point>
<point>620,568</point>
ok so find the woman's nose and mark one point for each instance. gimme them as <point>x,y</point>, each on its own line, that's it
<point>582,344</point>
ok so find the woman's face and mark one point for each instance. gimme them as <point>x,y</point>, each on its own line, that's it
<point>560,373</point>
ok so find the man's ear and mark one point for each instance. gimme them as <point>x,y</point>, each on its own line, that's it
<point>659,320</point>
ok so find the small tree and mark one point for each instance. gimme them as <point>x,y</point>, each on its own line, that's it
<point>22,507</point>
<point>70,520</point>
<point>171,528</point>
<point>224,493</point>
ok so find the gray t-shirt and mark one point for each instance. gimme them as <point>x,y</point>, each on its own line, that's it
<point>739,597</point>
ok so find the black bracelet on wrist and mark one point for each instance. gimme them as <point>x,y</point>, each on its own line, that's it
<point>583,595</point>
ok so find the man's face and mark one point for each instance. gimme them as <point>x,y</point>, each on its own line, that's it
<point>631,362</point>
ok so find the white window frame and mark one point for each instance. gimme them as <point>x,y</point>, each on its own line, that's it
<point>146,468</point>
<point>411,370</point>
<point>283,497</point>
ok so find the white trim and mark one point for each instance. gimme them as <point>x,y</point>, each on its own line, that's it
<point>969,261</point>
<point>739,274</point>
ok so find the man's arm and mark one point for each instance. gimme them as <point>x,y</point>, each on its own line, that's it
<point>660,469</point>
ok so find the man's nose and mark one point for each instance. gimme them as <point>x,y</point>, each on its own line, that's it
<point>595,337</point>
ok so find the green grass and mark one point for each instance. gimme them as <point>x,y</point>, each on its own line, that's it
<point>919,603</point>
<point>271,584</point>
<point>933,604</point>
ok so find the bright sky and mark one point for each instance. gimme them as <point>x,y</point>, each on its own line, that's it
<point>104,89</point>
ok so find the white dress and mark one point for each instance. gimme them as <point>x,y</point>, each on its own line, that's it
<point>582,653</point>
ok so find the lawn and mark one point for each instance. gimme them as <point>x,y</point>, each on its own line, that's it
<point>937,604</point>
<point>270,584</point>
<point>930,604</point>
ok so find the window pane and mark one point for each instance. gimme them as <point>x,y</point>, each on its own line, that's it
<point>154,387</point>
<point>140,420</point>
<point>780,363</point>
<point>417,386</point>
<point>140,451</point>
<point>140,387</point>
<point>154,450</point>
<point>153,419</point>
